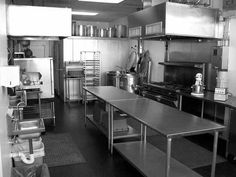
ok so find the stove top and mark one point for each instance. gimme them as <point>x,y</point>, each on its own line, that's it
<point>170,86</point>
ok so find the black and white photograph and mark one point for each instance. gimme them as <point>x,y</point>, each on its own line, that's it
<point>117,88</point>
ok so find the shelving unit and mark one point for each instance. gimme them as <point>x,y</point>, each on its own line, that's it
<point>92,69</point>
<point>131,133</point>
<point>97,38</point>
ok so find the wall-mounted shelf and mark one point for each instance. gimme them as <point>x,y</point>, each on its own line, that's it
<point>97,38</point>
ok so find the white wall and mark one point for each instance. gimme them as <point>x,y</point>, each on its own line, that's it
<point>5,161</point>
<point>232,57</point>
<point>113,52</point>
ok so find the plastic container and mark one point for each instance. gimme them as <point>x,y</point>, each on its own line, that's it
<point>38,151</point>
<point>221,83</point>
<point>31,171</point>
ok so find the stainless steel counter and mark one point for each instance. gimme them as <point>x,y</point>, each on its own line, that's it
<point>168,121</point>
<point>110,93</point>
<point>209,96</point>
<point>164,119</point>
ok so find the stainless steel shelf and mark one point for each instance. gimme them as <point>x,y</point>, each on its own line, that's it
<point>131,133</point>
<point>97,38</point>
<point>150,161</point>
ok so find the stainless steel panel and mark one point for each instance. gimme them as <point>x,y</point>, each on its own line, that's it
<point>150,160</point>
<point>164,119</point>
<point>178,20</point>
<point>108,93</point>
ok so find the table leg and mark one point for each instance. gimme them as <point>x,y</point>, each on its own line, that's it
<point>141,132</point>
<point>111,129</point>
<point>168,156</point>
<point>40,110</point>
<point>109,126</point>
<point>145,134</point>
<point>85,108</point>
<point>202,111</point>
<point>180,102</point>
<point>213,167</point>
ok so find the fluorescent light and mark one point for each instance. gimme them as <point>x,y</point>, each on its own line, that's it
<point>104,1</point>
<point>83,13</point>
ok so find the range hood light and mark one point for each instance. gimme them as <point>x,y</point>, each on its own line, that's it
<point>84,13</point>
<point>104,1</point>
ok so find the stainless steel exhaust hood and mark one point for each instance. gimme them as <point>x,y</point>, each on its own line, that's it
<point>175,20</point>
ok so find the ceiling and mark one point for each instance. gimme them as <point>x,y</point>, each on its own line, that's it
<point>107,12</point>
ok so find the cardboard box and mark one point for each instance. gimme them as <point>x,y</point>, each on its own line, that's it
<point>119,121</point>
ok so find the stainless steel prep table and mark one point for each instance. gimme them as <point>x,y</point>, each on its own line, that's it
<point>170,123</point>
<point>110,93</point>
<point>161,118</point>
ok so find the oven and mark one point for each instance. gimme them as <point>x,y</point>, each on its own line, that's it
<point>159,92</point>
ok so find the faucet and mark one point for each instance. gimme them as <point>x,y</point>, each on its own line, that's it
<point>20,113</point>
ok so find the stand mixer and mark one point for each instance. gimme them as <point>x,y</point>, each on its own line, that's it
<point>198,87</point>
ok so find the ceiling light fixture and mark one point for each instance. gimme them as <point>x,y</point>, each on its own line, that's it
<point>104,1</point>
<point>84,13</point>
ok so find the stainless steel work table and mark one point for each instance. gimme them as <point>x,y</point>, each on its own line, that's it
<point>163,119</point>
<point>170,123</point>
<point>110,93</point>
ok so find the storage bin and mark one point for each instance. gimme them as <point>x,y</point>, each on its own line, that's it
<point>38,151</point>
<point>31,171</point>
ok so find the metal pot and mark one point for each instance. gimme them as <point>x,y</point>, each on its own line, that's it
<point>102,32</point>
<point>92,31</point>
<point>81,30</point>
<point>111,32</point>
<point>73,28</point>
<point>198,89</point>
<point>113,78</point>
<point>128,82</point>
<point>121,31</point>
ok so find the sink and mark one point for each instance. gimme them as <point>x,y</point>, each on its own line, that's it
<point>30,128</point>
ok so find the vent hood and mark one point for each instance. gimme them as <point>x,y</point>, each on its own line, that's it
<point>38,22</point>
<point>175,20</point>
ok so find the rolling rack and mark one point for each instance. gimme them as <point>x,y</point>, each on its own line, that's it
<point>92,70</point>
<point>74,74</point>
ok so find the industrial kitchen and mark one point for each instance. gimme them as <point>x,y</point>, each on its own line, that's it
<point>117,88</point>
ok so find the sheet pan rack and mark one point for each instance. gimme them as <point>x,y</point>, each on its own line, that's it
<point>92,69</point>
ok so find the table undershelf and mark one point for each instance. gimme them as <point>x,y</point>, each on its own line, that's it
<point>150,161</point>
<point>117,135</point>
